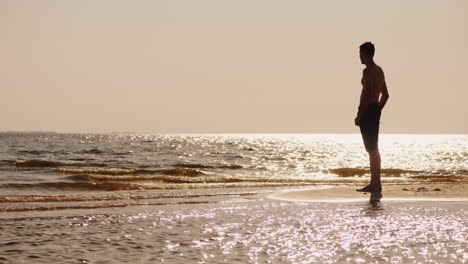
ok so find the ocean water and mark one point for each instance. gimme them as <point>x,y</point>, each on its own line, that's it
<point>63,167</point>
<point>120,198</point>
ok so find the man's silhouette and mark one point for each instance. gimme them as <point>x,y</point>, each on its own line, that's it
<point>374,96</point>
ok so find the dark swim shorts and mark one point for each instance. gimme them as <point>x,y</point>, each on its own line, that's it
<point>369,125</point>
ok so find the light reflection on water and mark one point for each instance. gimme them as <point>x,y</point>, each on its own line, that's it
<point>248,231</point>
<point>72,163</point>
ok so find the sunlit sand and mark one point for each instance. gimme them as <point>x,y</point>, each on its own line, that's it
<point>439,192</point>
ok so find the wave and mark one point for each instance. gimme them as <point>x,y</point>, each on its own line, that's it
<point>70,186</point>
<point>110,197</point>
<point>222,185</point>
<point>93,206</point>
<point>100,182</point>
<point>36,163</point>
<point>202,166</point>
<point>185,169</point>
<point>350,172</point>
<point>31,152</point>
<point>148,180</point>
<point>160,178</point>
<point>167,182</point>
<point>182,172</point>
<point>40,152</point>
<point>82,159</point>
<point>128,171</point>
<point>63,152</point>
<point>231,167</point>
<point>99,151</point>
<point>106,171</point>
<point>194,166</point>
<point>440,178</point>
<point>5,162</point>
<point>92,151</point>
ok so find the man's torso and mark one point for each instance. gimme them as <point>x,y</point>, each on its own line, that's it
<point>373,82</point>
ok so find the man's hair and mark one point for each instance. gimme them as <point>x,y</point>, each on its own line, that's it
<point>367,48</point>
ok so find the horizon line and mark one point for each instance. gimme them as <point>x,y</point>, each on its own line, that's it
<point>211,133</point>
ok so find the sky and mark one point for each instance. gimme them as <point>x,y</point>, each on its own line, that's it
<point>215,66</point>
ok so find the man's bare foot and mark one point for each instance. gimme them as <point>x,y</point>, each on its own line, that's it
<point>371,188</point>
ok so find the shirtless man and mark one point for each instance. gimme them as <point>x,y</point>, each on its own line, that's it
<point>374,96</point>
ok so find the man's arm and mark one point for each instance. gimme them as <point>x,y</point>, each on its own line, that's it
<point>385,94</point>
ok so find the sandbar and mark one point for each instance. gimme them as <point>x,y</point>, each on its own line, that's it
<point>440,192</point>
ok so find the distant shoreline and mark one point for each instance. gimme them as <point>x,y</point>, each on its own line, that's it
<point>29,132</point>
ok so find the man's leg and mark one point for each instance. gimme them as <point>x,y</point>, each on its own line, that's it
<point>375,185</point>
<point>370,135</point>
<point>374,158</point>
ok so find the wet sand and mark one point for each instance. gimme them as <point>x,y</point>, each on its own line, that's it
<point>441,192</point>
<point>241,230</point>
<point>410,224</point>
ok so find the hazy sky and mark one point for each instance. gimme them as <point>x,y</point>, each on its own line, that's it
<point>219,66</point>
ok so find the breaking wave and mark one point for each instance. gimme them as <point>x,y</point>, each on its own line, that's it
<point>104,183</point>
<point>117,182</point>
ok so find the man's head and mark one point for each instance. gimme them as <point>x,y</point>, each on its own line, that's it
<point>366,52</point>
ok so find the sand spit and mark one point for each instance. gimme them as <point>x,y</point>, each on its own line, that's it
<point>440,192</point>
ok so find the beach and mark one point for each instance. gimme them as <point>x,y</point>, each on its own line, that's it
<point>105,198</point>
<point>257,228</point>
<point>233,132</point>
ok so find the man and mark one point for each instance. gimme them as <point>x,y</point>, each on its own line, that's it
<point>374,96</point>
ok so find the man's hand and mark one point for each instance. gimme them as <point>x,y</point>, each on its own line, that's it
<point>357,121</point>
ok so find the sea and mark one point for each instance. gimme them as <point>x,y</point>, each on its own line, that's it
<point>146,198</point>
<point>68,164</point>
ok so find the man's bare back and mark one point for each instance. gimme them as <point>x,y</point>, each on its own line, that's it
<point>373,85</point>
<point>374,82</point>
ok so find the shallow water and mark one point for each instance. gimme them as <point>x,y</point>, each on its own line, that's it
<point>241,230</point>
